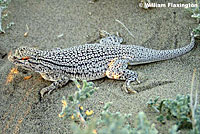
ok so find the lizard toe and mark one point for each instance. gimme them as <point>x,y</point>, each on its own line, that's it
<point>43,92</point>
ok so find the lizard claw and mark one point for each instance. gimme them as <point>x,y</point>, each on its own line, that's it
<point>43,91</point>
<point>128,90</point>
<point>138,81</point>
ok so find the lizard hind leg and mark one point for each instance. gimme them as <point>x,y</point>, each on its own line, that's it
<point>117,70</point>
<point>111,40</point>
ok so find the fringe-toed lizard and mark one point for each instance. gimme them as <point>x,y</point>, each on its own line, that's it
<point>91,61</point>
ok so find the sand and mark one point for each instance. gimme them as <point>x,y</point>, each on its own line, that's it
<point>79,22</point>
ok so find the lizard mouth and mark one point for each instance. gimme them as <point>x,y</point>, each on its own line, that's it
<point>22,58</point>
<point>12,58</point>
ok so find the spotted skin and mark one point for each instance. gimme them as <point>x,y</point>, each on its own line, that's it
<point>91,61</point>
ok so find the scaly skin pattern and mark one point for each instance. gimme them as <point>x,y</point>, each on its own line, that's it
<point>91,61</point>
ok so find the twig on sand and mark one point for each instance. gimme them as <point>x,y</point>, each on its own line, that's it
<point>193,106</point>
<point>26,33</point>
<point>125,27</point>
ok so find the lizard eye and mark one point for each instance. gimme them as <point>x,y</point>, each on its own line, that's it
<point>25,58</point>
<point>21,49</point>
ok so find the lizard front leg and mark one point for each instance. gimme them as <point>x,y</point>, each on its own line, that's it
<point>58,82</point>
<point>117,70</point>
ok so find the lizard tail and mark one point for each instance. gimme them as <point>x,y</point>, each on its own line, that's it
<point>152,55</point>
<point>169,54</point>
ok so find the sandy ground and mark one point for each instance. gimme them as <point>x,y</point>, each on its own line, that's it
<point>79,21</point>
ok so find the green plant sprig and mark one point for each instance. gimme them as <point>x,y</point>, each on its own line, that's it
<point>178,109</point>
<point>115,123</point>
<point>73,108</point>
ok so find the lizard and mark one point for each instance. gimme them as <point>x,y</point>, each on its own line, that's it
<point>109,57</point>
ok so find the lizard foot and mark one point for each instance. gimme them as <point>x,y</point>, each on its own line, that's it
<point>45,90</point>
<point>127,88</point>
<point>55,85</point>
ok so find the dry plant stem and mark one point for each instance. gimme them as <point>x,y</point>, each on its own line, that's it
<point>125,27</point>
<point>105,32</point>
<point>196,98</point>
<point>193,107</point>
<point>78,110</point>
<point>80,116</point>
<point>197,4</point>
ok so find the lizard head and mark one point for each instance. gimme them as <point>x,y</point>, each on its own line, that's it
<point>25,57</point>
